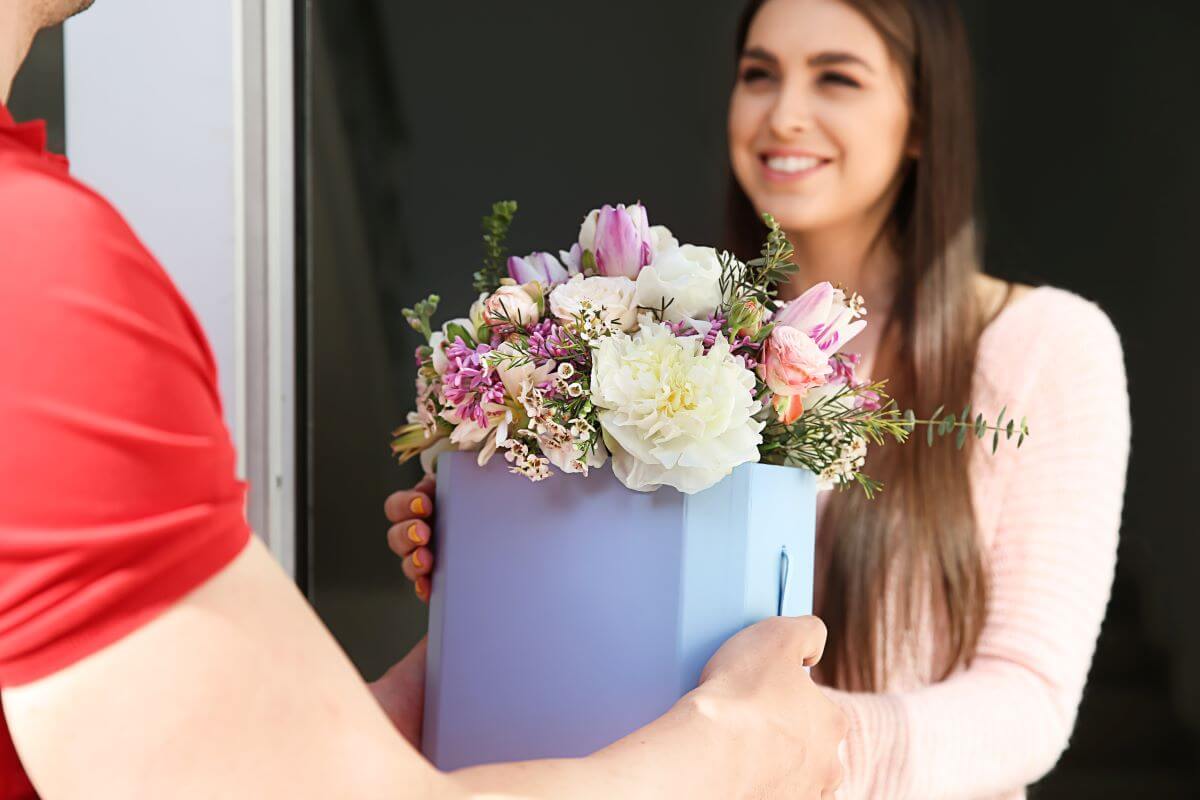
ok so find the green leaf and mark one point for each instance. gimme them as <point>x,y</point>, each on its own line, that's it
<point>995,442</point>
<point>455,330</point>
<point>910,420</point>
<point>929,435</point>
<point>980,426</point>
<point>1000,418</point>
<point>961,437</point>
<point>1008,434</point>
<point>966,413</point>
<point>937,413</point>
<point>1020,441</point>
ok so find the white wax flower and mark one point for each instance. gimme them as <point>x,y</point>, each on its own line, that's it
<point>671,414</point>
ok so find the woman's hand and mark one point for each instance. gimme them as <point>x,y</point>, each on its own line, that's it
<point>411,515</point>
<point>401,693</point>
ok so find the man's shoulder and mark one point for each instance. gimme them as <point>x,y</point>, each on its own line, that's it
<point>58,231</point>
<point>34,194</point>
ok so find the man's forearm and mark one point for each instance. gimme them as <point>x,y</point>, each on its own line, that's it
<point>684,753</point>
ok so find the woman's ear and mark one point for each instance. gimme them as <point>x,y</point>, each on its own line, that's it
<point>912,148</point>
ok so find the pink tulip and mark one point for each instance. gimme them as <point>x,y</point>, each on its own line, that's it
<point>623,243</point>
<point>792,363</point>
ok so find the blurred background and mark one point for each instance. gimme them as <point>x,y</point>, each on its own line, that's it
<point>415,117</point>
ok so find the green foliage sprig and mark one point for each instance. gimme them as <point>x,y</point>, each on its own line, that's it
<point>495,244</point>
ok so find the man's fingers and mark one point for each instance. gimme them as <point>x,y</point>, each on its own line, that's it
<point>408,504</point>
<point>812,642</point>
<point>404,537</point>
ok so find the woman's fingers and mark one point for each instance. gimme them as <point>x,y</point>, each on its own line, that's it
<point>418,563</point>
<point>404,537</point>
<point>409,504</point>
<point>421,587</point>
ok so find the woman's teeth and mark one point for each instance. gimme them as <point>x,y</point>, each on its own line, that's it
<point>793,164</point>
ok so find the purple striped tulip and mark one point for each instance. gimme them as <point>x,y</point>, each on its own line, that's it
<point>622,243</point>
<point>823,313</point>
<point>541,267</point>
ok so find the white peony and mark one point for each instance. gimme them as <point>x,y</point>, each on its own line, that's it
<point>661,239</point>
<point>671,414</point>
<point>615,295</point>
<point>687,277</point>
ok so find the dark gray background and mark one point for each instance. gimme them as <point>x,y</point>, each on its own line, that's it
<point>420,115</point>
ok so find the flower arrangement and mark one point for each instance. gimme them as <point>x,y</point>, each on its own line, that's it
<point>677,362</point>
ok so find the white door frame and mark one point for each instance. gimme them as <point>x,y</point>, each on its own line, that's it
<point>182,114</point>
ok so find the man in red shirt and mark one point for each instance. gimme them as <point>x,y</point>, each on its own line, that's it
<point>150,647</point>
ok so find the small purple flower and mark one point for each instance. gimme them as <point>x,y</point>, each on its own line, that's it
<point>470,384</point>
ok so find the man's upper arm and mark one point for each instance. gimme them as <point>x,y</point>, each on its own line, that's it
<point>117,485</point>
<point>236,691</point>
<point>145,649</point>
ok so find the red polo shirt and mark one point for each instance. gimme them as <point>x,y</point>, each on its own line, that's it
<point>118,492</point>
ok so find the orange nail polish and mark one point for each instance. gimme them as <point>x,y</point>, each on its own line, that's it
<point>413,536</point>
<point>417,561</point>
<point>417,506</point>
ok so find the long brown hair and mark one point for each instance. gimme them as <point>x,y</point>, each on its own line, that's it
<point>913,548</point>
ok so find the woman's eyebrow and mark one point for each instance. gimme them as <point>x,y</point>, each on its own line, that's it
<point>836,57</point>
<point>760,54</point>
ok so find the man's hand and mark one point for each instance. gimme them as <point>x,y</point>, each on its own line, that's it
<point>401,693</point>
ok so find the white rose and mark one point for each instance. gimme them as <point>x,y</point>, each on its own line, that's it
<point>476,312</point>
<point>687,277</point>
<point>512,303</point>
<point>614,295</point>
<point>671,414</point>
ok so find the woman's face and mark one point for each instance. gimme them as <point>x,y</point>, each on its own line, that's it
<point>819,118</point>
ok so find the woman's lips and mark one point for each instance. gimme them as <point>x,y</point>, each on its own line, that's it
<point>789,168</point>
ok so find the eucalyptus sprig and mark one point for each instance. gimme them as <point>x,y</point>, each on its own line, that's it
<point>495,253</point>
<point>819,438</point>
<point>419,316</point>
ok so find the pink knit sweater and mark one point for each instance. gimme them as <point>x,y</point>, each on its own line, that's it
<point>1048,516</point>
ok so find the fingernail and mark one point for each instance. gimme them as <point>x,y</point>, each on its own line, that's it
<point>417,561</point>
<point>413,535</point>
<point>417,506</point>
<point>420,589</point>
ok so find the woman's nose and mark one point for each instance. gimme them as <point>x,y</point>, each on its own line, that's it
<point>792,112</point>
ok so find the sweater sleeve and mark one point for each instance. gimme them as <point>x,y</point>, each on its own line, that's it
<point>1002,722</point>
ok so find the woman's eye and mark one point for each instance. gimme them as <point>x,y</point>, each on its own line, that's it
<point>754,74</point>
<point>839,79</point>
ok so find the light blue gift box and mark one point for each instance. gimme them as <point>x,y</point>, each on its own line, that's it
<point>568,613</point>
